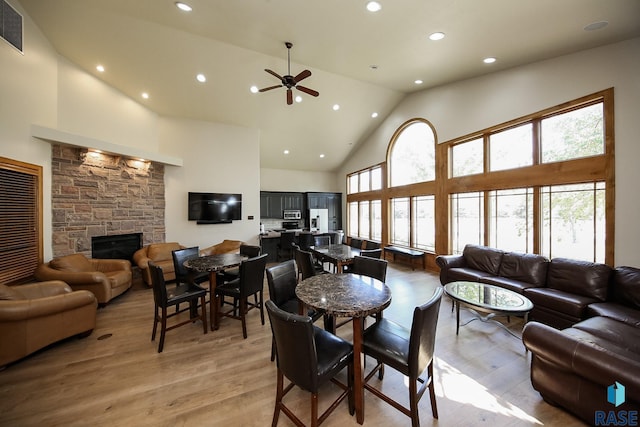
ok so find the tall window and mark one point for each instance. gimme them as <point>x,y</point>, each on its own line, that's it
<point>574,221</point>
<point>400,221</point>
<point>412,156</point>
<point>20,220</point>
<point>424,220</point>
<point>467,220</point>
<point>511,219</point>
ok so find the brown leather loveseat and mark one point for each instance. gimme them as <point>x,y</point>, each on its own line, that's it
<point>35,315</point>
<point>106,278</point>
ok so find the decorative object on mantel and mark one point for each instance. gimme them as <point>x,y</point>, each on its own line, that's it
<point>290,81</point>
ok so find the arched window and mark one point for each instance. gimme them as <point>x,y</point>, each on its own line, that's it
<point>412,156</point>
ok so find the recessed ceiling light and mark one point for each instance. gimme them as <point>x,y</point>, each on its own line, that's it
<point>100,68</point>
<point>286,151</point>
<point>418,82</point>
<point>596,26</point>
<point>254,89</point>
<point>373,6</point>
<point>374,115</point>
<point>201,78</point>
<point>322,156</point>
<point>489,60</point>
<point>336,107</point>
<point>436,36</point>
<point>298,99</point>
<point>183,6</point>
<point>145,95</point>
<point>373,66</point>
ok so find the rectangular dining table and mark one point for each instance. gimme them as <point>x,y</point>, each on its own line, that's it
<point>347,295</point>
<point>338,254</point>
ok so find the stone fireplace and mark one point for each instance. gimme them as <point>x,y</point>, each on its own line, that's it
<point>96,194</point>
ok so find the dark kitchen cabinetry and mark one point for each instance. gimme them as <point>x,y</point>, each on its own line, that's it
<point>272,203</point>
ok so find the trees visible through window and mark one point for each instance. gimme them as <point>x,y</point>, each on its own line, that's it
<point>511,219</point>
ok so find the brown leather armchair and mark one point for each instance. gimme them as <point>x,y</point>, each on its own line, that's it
<point>106,278</point>
<point>160,255</point>
<point>35,315</point>
<point>224,247</point>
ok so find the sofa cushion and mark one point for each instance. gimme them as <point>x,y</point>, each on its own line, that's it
<point>465,274</point>
<point>584,278</point>
<point>76,263</point>
<point>564,302</point>
<point>8,293</point>
<point>483,258</point>
<point>626,286</point>
<point>529,268</point>
<point>613,310</point>
<point>162,251</point>
<point>507,283</point>
<point>611,332</point>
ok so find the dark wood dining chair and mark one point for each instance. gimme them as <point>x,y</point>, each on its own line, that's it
<point>305,240</point>
<point>370,267</point>
<point>250,251</point>
<point>355,243</point>
<point>164,297</point>
<point>369,244</point>
<point>371,253</point>
<point>409,352</point>
<point>183,274</point>
<point>285,245</point>
<point>307,266</point>
<point>308,357</point>
<point>282,282</point>
<point>249,282</point>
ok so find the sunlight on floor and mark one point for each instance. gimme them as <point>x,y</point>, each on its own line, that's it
<point>460,388</point>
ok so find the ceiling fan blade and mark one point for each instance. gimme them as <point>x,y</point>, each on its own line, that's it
<point>307,90</point>
<point>269,88</point>
<point>274,74</point>
<point>289,97</point>
<point>303,75</point>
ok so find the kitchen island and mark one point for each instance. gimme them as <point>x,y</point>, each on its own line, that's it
<point>269,241</point>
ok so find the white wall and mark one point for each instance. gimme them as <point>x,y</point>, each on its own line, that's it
<point>463,107</point>
<point>298,181</point>
<point>28,94</point>
<point>217,158</point>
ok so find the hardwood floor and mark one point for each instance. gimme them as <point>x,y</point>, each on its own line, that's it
<point>115,376</point>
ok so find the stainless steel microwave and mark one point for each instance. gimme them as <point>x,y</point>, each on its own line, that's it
<point>291,214</point>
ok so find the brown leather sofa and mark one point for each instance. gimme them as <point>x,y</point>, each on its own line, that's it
<point>573,368</point>
<point>561,289</point>
<point>35,315</point>
<point>106,278</point>
<point>160,254</point>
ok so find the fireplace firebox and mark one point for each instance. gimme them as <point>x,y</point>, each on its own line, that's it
<point>118,246</point>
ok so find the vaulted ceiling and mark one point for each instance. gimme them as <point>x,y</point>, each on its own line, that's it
<point>362,61</point>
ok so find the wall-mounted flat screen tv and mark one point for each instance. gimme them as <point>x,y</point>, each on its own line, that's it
<point>213,208</point>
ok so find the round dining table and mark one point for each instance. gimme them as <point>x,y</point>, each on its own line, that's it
<point>347,295</point>
<point>213,264</point>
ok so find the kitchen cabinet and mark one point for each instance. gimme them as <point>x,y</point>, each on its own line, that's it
<point>272,203</point>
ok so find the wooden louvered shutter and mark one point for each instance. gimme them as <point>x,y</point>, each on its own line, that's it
<point>20,220</point>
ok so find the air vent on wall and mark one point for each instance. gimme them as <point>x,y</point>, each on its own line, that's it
<point>10,25</point>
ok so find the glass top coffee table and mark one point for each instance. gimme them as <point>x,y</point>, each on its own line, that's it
<point>488,299</point>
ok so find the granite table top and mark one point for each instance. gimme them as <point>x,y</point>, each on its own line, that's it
<point>344,295</point>
<point>212,263</point>
<point>338,252</point>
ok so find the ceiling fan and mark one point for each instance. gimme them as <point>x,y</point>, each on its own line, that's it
<point>290,81</point>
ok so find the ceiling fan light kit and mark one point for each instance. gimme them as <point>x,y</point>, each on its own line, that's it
<point>289,81</point>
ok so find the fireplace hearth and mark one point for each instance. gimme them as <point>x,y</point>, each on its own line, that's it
<point>118,246</point>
